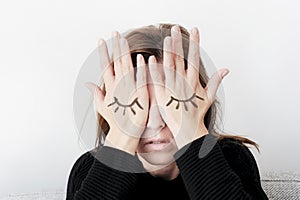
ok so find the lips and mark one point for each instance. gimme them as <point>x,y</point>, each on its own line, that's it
<point>152,145</point>
<point>156,142</point>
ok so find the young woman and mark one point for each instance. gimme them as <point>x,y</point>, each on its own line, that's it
<point>157,137</point>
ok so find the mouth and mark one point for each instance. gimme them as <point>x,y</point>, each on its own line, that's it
<point>156,145</point>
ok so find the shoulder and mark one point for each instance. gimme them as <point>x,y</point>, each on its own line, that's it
<point>81,166</point>
<point>83,161</point>
<point>79,171</point>
<point>239,157</point>
<point>235,148</point>
<point>231,145</point>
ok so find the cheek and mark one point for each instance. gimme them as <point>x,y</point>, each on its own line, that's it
<point>139,148</point>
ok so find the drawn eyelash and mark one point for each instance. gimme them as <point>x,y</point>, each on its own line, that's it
<point>184,101</point>
<point>135,101</point>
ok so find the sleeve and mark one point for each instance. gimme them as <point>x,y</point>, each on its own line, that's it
<point>78,173</point>
<point>208,175</point>
<point>111,176</point>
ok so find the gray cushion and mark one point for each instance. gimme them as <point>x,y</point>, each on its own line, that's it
<point>283,185</point>
<point>51,195</point>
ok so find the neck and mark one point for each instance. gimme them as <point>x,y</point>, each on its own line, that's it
<point>168,172</point>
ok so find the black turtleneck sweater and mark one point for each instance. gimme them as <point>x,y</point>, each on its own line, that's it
<point>228,171</point>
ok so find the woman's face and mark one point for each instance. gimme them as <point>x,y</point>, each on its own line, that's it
<point>157,145</point>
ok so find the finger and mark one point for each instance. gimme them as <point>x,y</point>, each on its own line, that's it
<point>214,83</point>
<point>141,78</point>
<point>156,76</point>
<point>116,54</point>
<point>193,58</point>
<point>168,63</point>
<point>98,95</point>
<point>105,63</point>
<point>177,50</point>
<point>126,58</point>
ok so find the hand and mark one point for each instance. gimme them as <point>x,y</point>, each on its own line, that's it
<point>125,104</point>
<point>181,96</point>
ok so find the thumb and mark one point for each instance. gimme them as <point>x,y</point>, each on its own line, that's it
<point>96,91</point>
<point>214,83</point>
<point>224,72</point>
<point>90,86</point>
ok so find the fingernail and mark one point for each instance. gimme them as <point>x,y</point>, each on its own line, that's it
<point>89,86</point>
<point>100,42</point>
<point>122,40</point>
<point>225,73</point>
<point>139,58</point>
<point>115,33</point>
<point>168,40</point>
<point>194,30</point>
<point>152,59</point>
<point>176,28</point>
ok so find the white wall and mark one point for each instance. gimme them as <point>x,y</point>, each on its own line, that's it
<point>44,43</point>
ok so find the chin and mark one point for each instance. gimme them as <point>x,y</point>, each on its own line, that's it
<point>162,157</point>
<point>158,158</point>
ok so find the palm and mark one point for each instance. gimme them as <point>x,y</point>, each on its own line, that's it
<point>125,104</point>
<point>182,104</point>
<point>182,97</point>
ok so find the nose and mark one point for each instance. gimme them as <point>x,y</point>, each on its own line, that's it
<point>155,120</point>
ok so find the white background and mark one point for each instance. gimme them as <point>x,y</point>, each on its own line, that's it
<point>44,43</point>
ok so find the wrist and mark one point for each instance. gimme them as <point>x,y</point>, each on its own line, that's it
<point>186,137</point>
<point>119,140</point>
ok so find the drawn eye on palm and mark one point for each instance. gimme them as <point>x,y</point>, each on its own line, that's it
<point>184,101</point>
<point>135,101</point>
